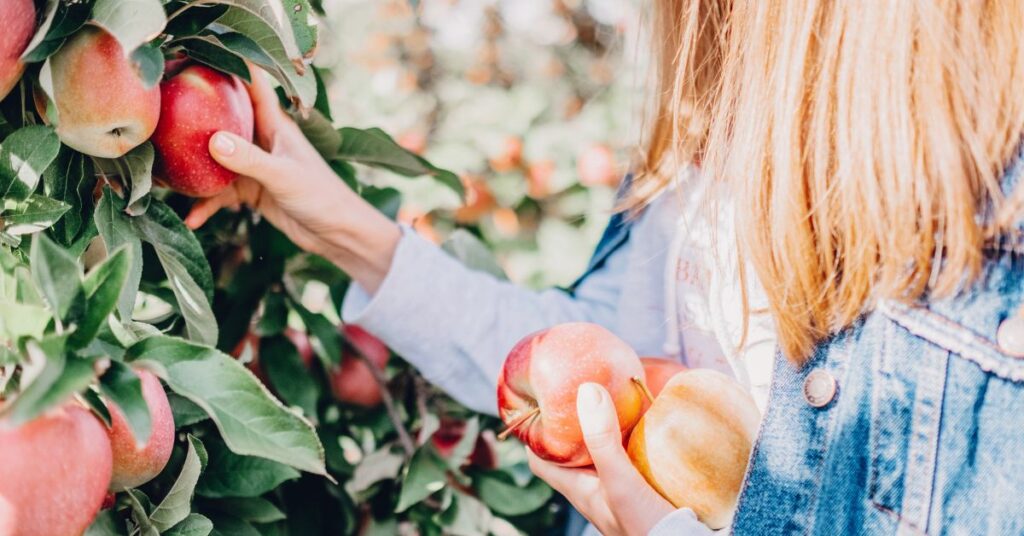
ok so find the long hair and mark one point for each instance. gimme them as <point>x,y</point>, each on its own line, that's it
<point>862,142</point>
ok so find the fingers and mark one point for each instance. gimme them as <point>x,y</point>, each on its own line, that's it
<point>245,158</point>
<point>601,433</point>
<point>203,209</point>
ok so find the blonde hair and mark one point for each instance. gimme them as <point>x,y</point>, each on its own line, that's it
<point>863,142</point>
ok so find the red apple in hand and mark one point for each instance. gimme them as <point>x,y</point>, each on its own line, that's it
<point>54,472</point>
<point>538,384</point>
<point>17,23</point>
<point>103,108</point>
<point>692,445</point>
<point>658,371</point>
<point>353,382</point>
<point>135,465</point>
<point>196,103</point>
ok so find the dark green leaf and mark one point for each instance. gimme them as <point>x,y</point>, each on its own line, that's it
<point>231,475</point>
<point>121,385</point>
<point>60,378</point>
<point>31,215</point>
<point>249,419</point>
<point>106,524</point>
<point>323,333</point>
<point>102,287</point>
<point>149,60</point>
<point>185,412</point>
<point>320,132</point>
<point>97,405</point>
<point>229,525</point>
<point>373,147</point>
<point>275,314</point>
<point>24,156</point>
<point>70,180</point>
<point>194,18</point>
<point>287,374</point>
<point>207,49</point>
<point>177,504</point>
<point>193,525</point>
<point>115,227</point>
<point>252,509</point>
<point>58,276</point>
<point>504,497</point>
<point>424,476</point>
<point>57,26</point>
<point>323,104</point>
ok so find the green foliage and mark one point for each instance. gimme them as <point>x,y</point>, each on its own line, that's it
<point>100,275</point>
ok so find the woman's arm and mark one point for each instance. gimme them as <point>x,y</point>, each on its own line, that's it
<point>454,324</point>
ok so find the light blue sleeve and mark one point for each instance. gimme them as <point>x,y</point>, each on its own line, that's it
<point>456,325</point>
<point>682,522</point>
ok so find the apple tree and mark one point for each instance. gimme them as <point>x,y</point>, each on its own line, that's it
<point>284,420</point>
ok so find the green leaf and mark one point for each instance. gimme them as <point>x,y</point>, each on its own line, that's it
<point>70,180</point>
<point>373,147</point>
<point>387,200</point>
<point>31,215</point>
<point>58,276</point>
<point>231,475</point>
<point>304,25</point>
<point>464,448</point>
<point>288,374</point>
<point>473,253</point>
<point>60,378</point>
<point>193,525</point>
<point>252,509</point>
<point>274,36</point>
<point>177,504</point>
<point>323,333</point>
<point>132,22</point>
<point>116,230</point>
<point>229,525</point>
<point>185,412</point>
<point>136,168</point>
<point>424,476</point>
<point>105,524</point>
<point>467,516</point>
<point>96,404</point>
<point>504,497</point>
<point>249,419</point>
<point>208,49</point>
<point>19,320</point>
<point>24,156</point>
<point>102,288</point>
<point>382,464</point>
<point>149,59</point>
<point>60,20</point>
<point>186,266</point>
<point>319,131</point>
<point>140,506</point>
<point>122,386</point>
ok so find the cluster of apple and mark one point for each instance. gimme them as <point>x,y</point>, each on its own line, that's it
<point>689,432</point>
<point>104,109</point>
<point>352,381</point>
<point>62,467</point>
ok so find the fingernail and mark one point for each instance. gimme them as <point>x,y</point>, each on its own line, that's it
<point>223,144</point>
<point>589,395</point>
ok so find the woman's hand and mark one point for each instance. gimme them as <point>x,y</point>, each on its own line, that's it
<point>613,495</point>
<point>285,179</point>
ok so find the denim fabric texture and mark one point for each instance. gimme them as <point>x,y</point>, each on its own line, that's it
<point>925,433</point>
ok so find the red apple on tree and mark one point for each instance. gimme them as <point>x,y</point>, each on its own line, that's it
<point>196,103</point>
<point>353,381</point>
<point>692,445</point>
<point>538,384</point>
<point>17,22</point>
<point>103,107</point>
<point>136,464</point>
<point>55,473</point>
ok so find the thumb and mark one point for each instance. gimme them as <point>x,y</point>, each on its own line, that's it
<point>601,433</point>
<point>244,157</point>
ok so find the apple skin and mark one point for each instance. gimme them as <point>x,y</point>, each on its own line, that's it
<point>18,24</point>
<point>299,339</point>
<point>658,371</point>
<point>353,382</point>
<point>693,444</point>
<point>546,369</point>
<point>134,465</point>
<point>196,103</point>
<point>60,490</point>
<point>103,108</point>
<point>451,432</point>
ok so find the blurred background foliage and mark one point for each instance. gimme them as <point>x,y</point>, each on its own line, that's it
<point>534,103</point>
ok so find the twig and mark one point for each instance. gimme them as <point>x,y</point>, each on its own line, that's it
<point>389,402</point>
<point>643,388</point>
<point>519,421</point>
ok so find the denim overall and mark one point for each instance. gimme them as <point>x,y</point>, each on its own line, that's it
<point>909,422</point>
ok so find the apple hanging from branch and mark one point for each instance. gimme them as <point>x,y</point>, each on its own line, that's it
<point>135,465</point>
<point>19,22</point>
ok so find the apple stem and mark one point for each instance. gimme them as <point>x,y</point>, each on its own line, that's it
<point>519,421</point>
<point>640,384</point>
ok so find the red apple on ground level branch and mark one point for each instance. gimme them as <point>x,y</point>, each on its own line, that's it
<point>692,445</point>
<point>103,108</point>
<point>541,376</point>
<point>197,102</point>
<point>135,465</point>
<point>17,23</point>
<point>353,382</point>
<point>55,472</point>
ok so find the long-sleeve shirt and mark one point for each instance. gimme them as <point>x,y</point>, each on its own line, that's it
<point>667,291</point>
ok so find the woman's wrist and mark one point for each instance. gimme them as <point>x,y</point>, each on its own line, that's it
<point>364,244</point>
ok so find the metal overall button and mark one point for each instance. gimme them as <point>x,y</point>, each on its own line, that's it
<point>819,388</point>
<point>1010,335</point>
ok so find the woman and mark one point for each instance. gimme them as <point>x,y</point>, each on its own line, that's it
<point>863,159</point>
